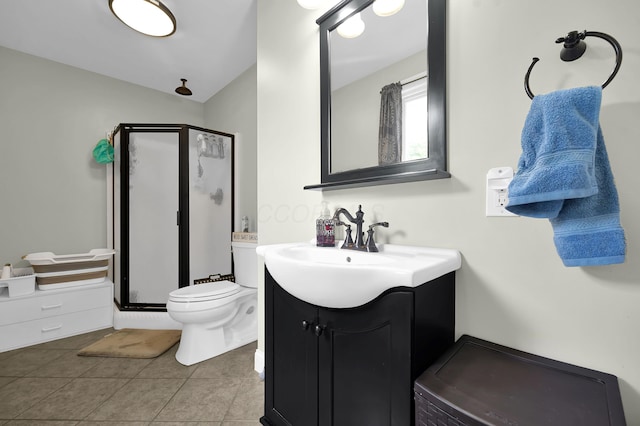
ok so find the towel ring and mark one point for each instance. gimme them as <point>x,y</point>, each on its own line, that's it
<point>573,48</point>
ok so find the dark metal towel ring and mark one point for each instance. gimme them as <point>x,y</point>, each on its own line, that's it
<point>573,48</point>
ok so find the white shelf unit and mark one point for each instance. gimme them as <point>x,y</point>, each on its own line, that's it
<point>47,315</point>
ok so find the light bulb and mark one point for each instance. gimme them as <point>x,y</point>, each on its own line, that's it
<point>387,7</point>
<point>352,27</point>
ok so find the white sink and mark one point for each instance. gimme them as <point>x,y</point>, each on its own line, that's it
<point>337,278</point>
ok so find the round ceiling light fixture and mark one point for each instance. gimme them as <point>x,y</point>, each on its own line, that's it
<point>352,27</point>
<point>149,17</point>
<point>387,7</point>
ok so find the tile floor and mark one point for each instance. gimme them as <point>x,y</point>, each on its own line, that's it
<point>48,384</point>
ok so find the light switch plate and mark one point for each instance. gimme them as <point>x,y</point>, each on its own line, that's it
<point>498,180</point>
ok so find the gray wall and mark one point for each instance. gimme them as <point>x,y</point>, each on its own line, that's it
<point>512,288</point>
<point>53,194</point>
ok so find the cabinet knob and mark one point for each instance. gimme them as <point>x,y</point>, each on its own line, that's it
<point>305,325</point>
<point>318,330</point>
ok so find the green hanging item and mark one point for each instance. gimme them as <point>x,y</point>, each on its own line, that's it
<point>103,152</point>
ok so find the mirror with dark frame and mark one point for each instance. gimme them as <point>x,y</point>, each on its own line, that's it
<point>392,73</point>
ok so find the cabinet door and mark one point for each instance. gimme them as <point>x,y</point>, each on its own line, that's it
<point>291,394</point>
<point>364,359</point>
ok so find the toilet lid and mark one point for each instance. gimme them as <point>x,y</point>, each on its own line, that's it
<point>202,292</point>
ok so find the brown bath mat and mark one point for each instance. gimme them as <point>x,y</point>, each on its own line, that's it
<point>133,343</point>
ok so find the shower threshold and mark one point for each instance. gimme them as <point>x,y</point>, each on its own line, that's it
<point>152,320</point>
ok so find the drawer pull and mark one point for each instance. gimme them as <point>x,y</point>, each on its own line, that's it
<point>47,307</point>
<point>55,327</point>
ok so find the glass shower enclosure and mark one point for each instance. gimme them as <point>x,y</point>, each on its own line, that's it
<point>172,210</point>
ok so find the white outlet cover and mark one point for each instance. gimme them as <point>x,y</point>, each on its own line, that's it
<point>498,180</point>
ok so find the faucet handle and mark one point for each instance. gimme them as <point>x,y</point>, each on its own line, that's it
<point>371,244</point>
<point>383,224</point>
<point>348,240</point>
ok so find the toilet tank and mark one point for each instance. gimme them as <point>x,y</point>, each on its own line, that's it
<point>245,263</point>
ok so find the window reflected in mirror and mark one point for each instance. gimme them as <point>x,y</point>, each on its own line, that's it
<point>415,109</point>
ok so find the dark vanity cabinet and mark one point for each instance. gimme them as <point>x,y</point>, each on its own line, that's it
<point>355,366</point>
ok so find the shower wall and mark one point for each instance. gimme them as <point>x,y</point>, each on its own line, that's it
<point>172,214</point>
<point>210,203</point>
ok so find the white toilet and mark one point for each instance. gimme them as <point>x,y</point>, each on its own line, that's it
<point>220,316</point>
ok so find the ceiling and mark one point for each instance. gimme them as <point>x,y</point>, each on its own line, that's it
<point>214,43</point>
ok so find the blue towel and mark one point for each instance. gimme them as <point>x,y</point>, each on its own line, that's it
<point>564,175</point>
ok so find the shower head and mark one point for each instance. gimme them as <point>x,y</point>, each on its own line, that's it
<point>183,90</point>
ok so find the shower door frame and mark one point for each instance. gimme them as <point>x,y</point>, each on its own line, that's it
<point>182,131</point>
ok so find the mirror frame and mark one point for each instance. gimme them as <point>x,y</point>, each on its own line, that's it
<point>434,167</point>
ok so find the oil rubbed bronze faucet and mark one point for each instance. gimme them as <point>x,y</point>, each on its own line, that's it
<point>359,244</point>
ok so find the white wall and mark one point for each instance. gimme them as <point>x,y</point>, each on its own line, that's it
<point>233,110</point>
<point>52,193</point>
<point>512,288</point>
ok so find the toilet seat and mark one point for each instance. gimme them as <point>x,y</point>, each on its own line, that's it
<point>204,292</point>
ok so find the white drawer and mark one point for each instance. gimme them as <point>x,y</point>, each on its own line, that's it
<point>42,330</point>
<point>43,304</point>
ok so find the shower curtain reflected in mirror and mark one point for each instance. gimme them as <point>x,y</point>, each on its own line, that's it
<point>390,125</point>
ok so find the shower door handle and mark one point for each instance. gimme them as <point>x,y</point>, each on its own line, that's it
<point>178,218</point>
